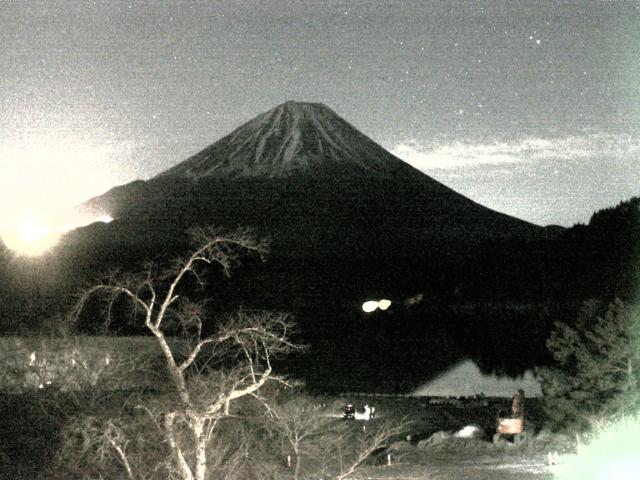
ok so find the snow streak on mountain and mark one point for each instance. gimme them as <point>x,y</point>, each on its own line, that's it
<point>291,138</point>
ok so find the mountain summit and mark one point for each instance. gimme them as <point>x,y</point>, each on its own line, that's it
<point>342,213</point>
<point>291,138</point>
<point>310,180</point>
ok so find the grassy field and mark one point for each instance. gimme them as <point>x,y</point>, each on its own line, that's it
<point>28,439</point>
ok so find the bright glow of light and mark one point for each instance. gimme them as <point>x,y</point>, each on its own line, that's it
<point>29,236</point>
<point>372,305</point>
<point>614,453</point>
<point>43,175</point>
<point>54,174</point>
<point>384,304</point>
<point>32,236</point>
<point>31,229</point>
<point>369,306</point>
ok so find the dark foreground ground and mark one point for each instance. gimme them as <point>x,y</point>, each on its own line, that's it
<point>431,449</point>
<point>428,449</point>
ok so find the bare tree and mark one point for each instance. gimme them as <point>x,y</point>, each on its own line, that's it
<point>303,428</point>
<point>325,446</point>
<point>238,353</point>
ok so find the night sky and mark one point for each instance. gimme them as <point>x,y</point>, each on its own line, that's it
<point>530,108</point>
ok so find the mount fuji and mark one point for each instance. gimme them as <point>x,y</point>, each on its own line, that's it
<point>339,209</point>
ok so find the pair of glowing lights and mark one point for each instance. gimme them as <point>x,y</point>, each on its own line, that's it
<point>373,305</point>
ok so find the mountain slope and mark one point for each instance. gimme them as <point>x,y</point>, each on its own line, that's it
<point>291,138</point>
<point>306,152</point>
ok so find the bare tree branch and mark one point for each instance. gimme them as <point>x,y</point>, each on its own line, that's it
<point>370,445</point>
<point>250,339</point>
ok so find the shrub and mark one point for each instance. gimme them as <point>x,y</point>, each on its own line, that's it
<point>597,372</point>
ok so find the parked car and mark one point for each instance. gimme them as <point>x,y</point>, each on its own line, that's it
<point>349,412</point>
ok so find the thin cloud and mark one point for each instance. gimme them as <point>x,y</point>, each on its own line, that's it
<point>568,149</point>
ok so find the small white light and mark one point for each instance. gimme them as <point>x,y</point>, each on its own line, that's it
<point>369,306</point>
<point>384,304</point>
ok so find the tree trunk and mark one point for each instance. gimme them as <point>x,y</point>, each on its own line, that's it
<point>201,447</point>
<point>181,463</point>
<point>296,471</point>
<point>175,373</point>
